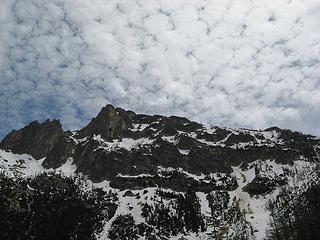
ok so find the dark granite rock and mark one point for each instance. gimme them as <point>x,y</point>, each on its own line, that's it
<point>35,139</point>
<point>184,124</point>
<point>100,164</point>
<point>147,119</point>
<point>240,138</point>
<point>274,128</point>
<point>165,154</point>
<point>207,159</point>
<point>263,185</point>
<point>60,152</point>
<point>186,143</point>
<point>171,180</point>
<point>169,130</point>
<point>110,123</point>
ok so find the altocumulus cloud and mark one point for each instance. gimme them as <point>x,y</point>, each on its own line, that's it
<point>238,63</point>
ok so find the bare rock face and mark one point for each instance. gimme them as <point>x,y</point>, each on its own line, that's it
<point>35,139</point>
<point>263,185</point>
<point>110,123</point>
<point>60,152</point>
<point>240,138</point>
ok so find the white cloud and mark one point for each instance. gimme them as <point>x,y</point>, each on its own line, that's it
<point>236,63</point>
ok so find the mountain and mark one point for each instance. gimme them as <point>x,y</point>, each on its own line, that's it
<point>158,165</point>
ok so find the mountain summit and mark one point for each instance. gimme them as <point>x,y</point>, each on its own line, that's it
<point>110,123</point>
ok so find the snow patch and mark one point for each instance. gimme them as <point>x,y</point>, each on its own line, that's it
<point>20,164</point>
<point>67,169</point>
<point>124,143</point>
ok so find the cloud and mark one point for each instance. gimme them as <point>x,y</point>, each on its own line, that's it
<point>236,63</point>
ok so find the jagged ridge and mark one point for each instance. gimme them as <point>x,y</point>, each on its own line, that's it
<point>137,150</point>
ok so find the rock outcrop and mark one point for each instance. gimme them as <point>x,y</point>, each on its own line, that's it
<point>61,151</point>
<point>110,123</point>
<point>35,139</point>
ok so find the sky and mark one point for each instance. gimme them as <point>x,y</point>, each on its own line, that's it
<point>235,63</point>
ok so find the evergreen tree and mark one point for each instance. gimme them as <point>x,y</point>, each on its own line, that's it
<point>218,203</point>
<point>124,228</point>
<point>295,215</point>
<point>50,206</point>
<point>192,212</point>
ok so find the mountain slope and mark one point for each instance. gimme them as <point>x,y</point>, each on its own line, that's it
<point>137,155</point>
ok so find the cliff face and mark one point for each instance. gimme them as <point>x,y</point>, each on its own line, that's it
<point>118,142</point>
<point>110,123</point>
<point>35,139</point>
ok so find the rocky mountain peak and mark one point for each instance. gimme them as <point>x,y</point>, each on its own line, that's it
<point>36,139</point>
<point>110,123</point>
